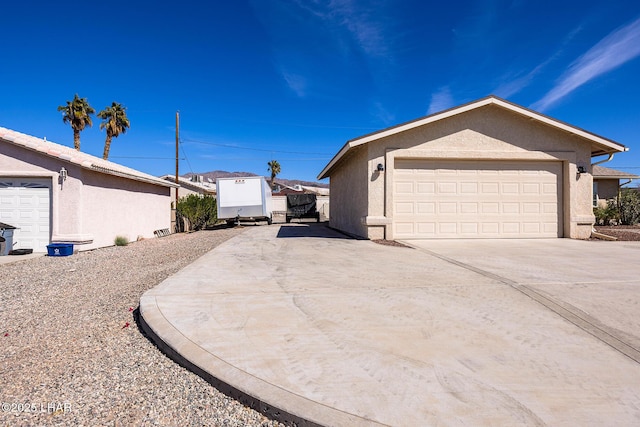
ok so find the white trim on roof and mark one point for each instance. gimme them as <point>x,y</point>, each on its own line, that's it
<point>609,145</point>
<point>601,172</point>
<point>84,160</point>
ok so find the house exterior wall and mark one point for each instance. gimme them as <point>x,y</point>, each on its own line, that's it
<point>486,133</point>
<point>113,206</point>
<point>322,205</point>
<point>349,194</point>
<point>279,203</point>
<point>183,192</point>
<point>90,208</point>
<point>607,190</point>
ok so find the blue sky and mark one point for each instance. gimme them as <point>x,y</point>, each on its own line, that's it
<point>293,80</point>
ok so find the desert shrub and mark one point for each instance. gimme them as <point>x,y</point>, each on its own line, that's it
<point>121,241</point>
<point>629,206</point>
<point>608,214</point>
<point>199,211</point>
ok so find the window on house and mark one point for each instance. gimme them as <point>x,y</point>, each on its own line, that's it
<point>595,194</point>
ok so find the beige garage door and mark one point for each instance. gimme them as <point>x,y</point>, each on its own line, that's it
<point>477,199</point>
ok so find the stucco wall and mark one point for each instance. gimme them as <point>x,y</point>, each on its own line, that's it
<point>607,189</point>
<point>349,194</point>
<point>183,192</point>
<point>322,206</point>
<point>486,133</point>
<point>88,206</point>
<point>113,206</point>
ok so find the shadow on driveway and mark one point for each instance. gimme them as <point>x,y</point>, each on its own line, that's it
<point>310,230</point>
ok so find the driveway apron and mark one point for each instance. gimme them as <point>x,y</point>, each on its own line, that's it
<point>310,326</point>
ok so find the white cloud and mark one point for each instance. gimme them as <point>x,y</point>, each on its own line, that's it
<point>515,85</point>
<point>441,100</point>
<point>296,83</point>
<point>382,114</point>
<point>306,36</point>
<point>616,49</point>
<point>366,31</point>
<point>363,26</point>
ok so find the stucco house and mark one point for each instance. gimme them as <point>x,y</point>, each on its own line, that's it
<point>607,183</point>
<point>486,169</point>
<point>53,193</point>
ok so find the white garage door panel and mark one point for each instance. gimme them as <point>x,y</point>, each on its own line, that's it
<point>25,203</point>
<point>483,199</point>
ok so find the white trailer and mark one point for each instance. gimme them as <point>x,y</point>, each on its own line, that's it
<point>245,198</point>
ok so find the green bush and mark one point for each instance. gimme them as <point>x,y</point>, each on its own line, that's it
<point>121,241</point>
<point>199,212</point>
<point>629,206</point>
<point>606,215</point>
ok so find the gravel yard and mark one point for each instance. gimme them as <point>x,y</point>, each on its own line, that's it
<point>72,353</point>
<point>621,232</point>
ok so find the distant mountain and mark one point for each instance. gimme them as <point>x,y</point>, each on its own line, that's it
<point>224,174</point>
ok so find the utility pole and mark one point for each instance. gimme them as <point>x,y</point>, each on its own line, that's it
<point>177,151</point>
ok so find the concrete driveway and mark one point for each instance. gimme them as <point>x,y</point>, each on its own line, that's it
<point>305,324</point>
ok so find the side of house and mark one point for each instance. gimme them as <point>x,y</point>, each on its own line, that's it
<point>607,183</point>
<point>487,169</point>
<point>53,193</point>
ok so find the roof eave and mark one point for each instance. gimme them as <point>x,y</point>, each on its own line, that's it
<point>616,177</point>
<point>121,174</point>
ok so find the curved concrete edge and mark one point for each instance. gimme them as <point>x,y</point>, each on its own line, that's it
<point>272,401</point>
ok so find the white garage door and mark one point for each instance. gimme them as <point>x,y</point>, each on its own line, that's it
<point>477,199</point>
<point>24,203</point>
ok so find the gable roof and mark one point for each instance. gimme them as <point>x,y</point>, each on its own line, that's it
<point>599,144</point>
<point>600,172</point>
<point>84,160</point>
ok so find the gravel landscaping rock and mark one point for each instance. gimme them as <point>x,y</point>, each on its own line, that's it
<point>72,353</point>
<point>625,233</point>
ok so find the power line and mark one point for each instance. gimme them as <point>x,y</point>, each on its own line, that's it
<point>185,157</point>
<point>253,149</point>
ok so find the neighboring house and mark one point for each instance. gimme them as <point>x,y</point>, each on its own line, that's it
<point>606,184</point>
<point>487,169</point>
<point>195,184</point>
<point>319,191</point>
<point>282,189</point>
<point>53,193</point>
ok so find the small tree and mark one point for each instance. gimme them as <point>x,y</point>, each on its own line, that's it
<point>198,210</point>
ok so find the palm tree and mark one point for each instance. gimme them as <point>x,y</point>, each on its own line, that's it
<point>78,113</point>
<point>115,120</point>
<point>274,168</point>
